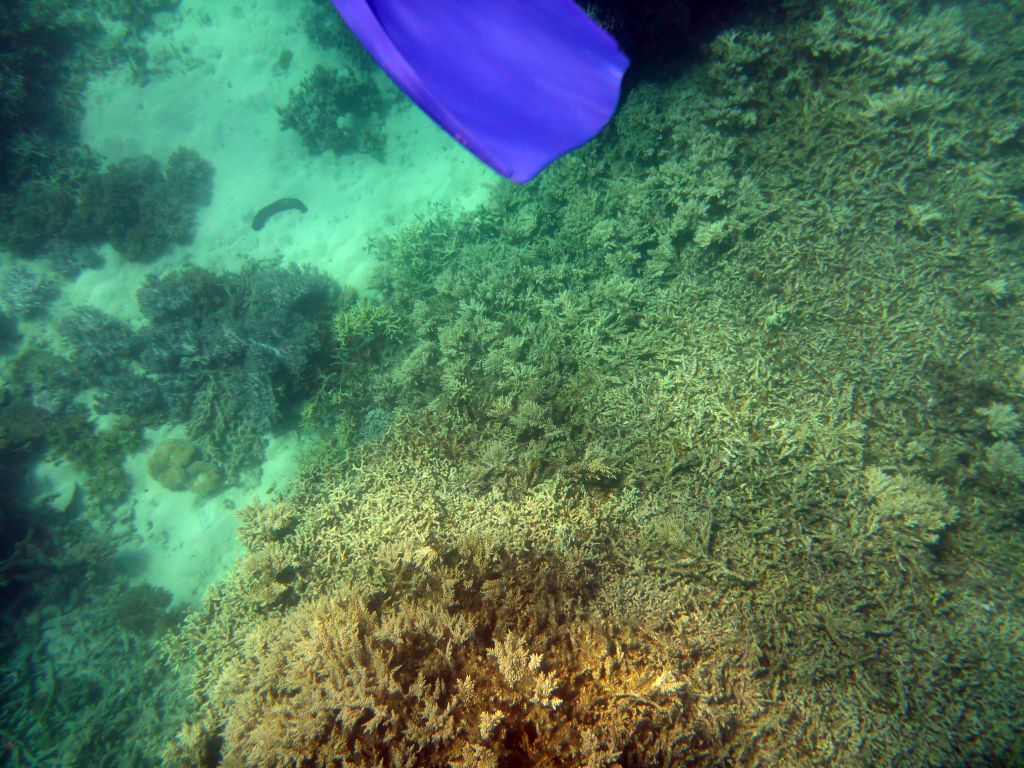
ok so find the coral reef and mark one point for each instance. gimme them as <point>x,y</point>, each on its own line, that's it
<point>483,664</point>
<point>145,610</point>
<point>366,334</point>
<point>141,209</point>
<point>324,26</point>
<point>102,352</point>
<point>39,87</point>
<point>1003,464</point>
<point>68,259</point>
<point>138,14</point>
<point>174,464</point>
<point>100,345</point>
<point>9,336</point>
<point>230,352</point>
<point>75,640</point>
<point>44,378</point>
<point>702,449</point>
<point>337,111</point>
<point>49,51</point>
<point>98,454</point>
<point>33,216</point>
<point>226,354</point>
<point>716,375</point>
<point>86,645</point>
<point>1001,419</point>
<point>654,33</point>
<point>26,292</point>
<point>905,509</point>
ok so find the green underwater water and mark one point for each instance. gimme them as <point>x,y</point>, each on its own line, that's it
<point>703,448</point>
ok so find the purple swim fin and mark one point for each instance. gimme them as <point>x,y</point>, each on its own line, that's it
<point>517,82</point>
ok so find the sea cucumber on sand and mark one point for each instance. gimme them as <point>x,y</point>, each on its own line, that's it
<point>284,204</point>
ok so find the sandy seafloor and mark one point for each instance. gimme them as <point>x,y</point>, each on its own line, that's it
<point>216,89</point>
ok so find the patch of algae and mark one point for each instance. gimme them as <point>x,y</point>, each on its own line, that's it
<point>687,466</point>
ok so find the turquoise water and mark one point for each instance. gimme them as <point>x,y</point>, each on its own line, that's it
<point>703,448</point>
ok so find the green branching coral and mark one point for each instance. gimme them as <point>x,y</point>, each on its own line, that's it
<point>361,329</point>
<point>324,26</point>
<point>141,209</point>
<point>894,40</point>
<point>98,453</point>
<point>716,375</point>
<point>1001,419</point>
<point>912,508</point>
<point>337,111</point>
<point>41,82</point>
<point>354,390</point>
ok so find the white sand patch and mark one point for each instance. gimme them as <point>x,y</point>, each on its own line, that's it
<point>217,90</point>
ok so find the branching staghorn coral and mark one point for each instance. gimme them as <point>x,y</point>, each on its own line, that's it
<point>723,372</point>
<point>477,662</point>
